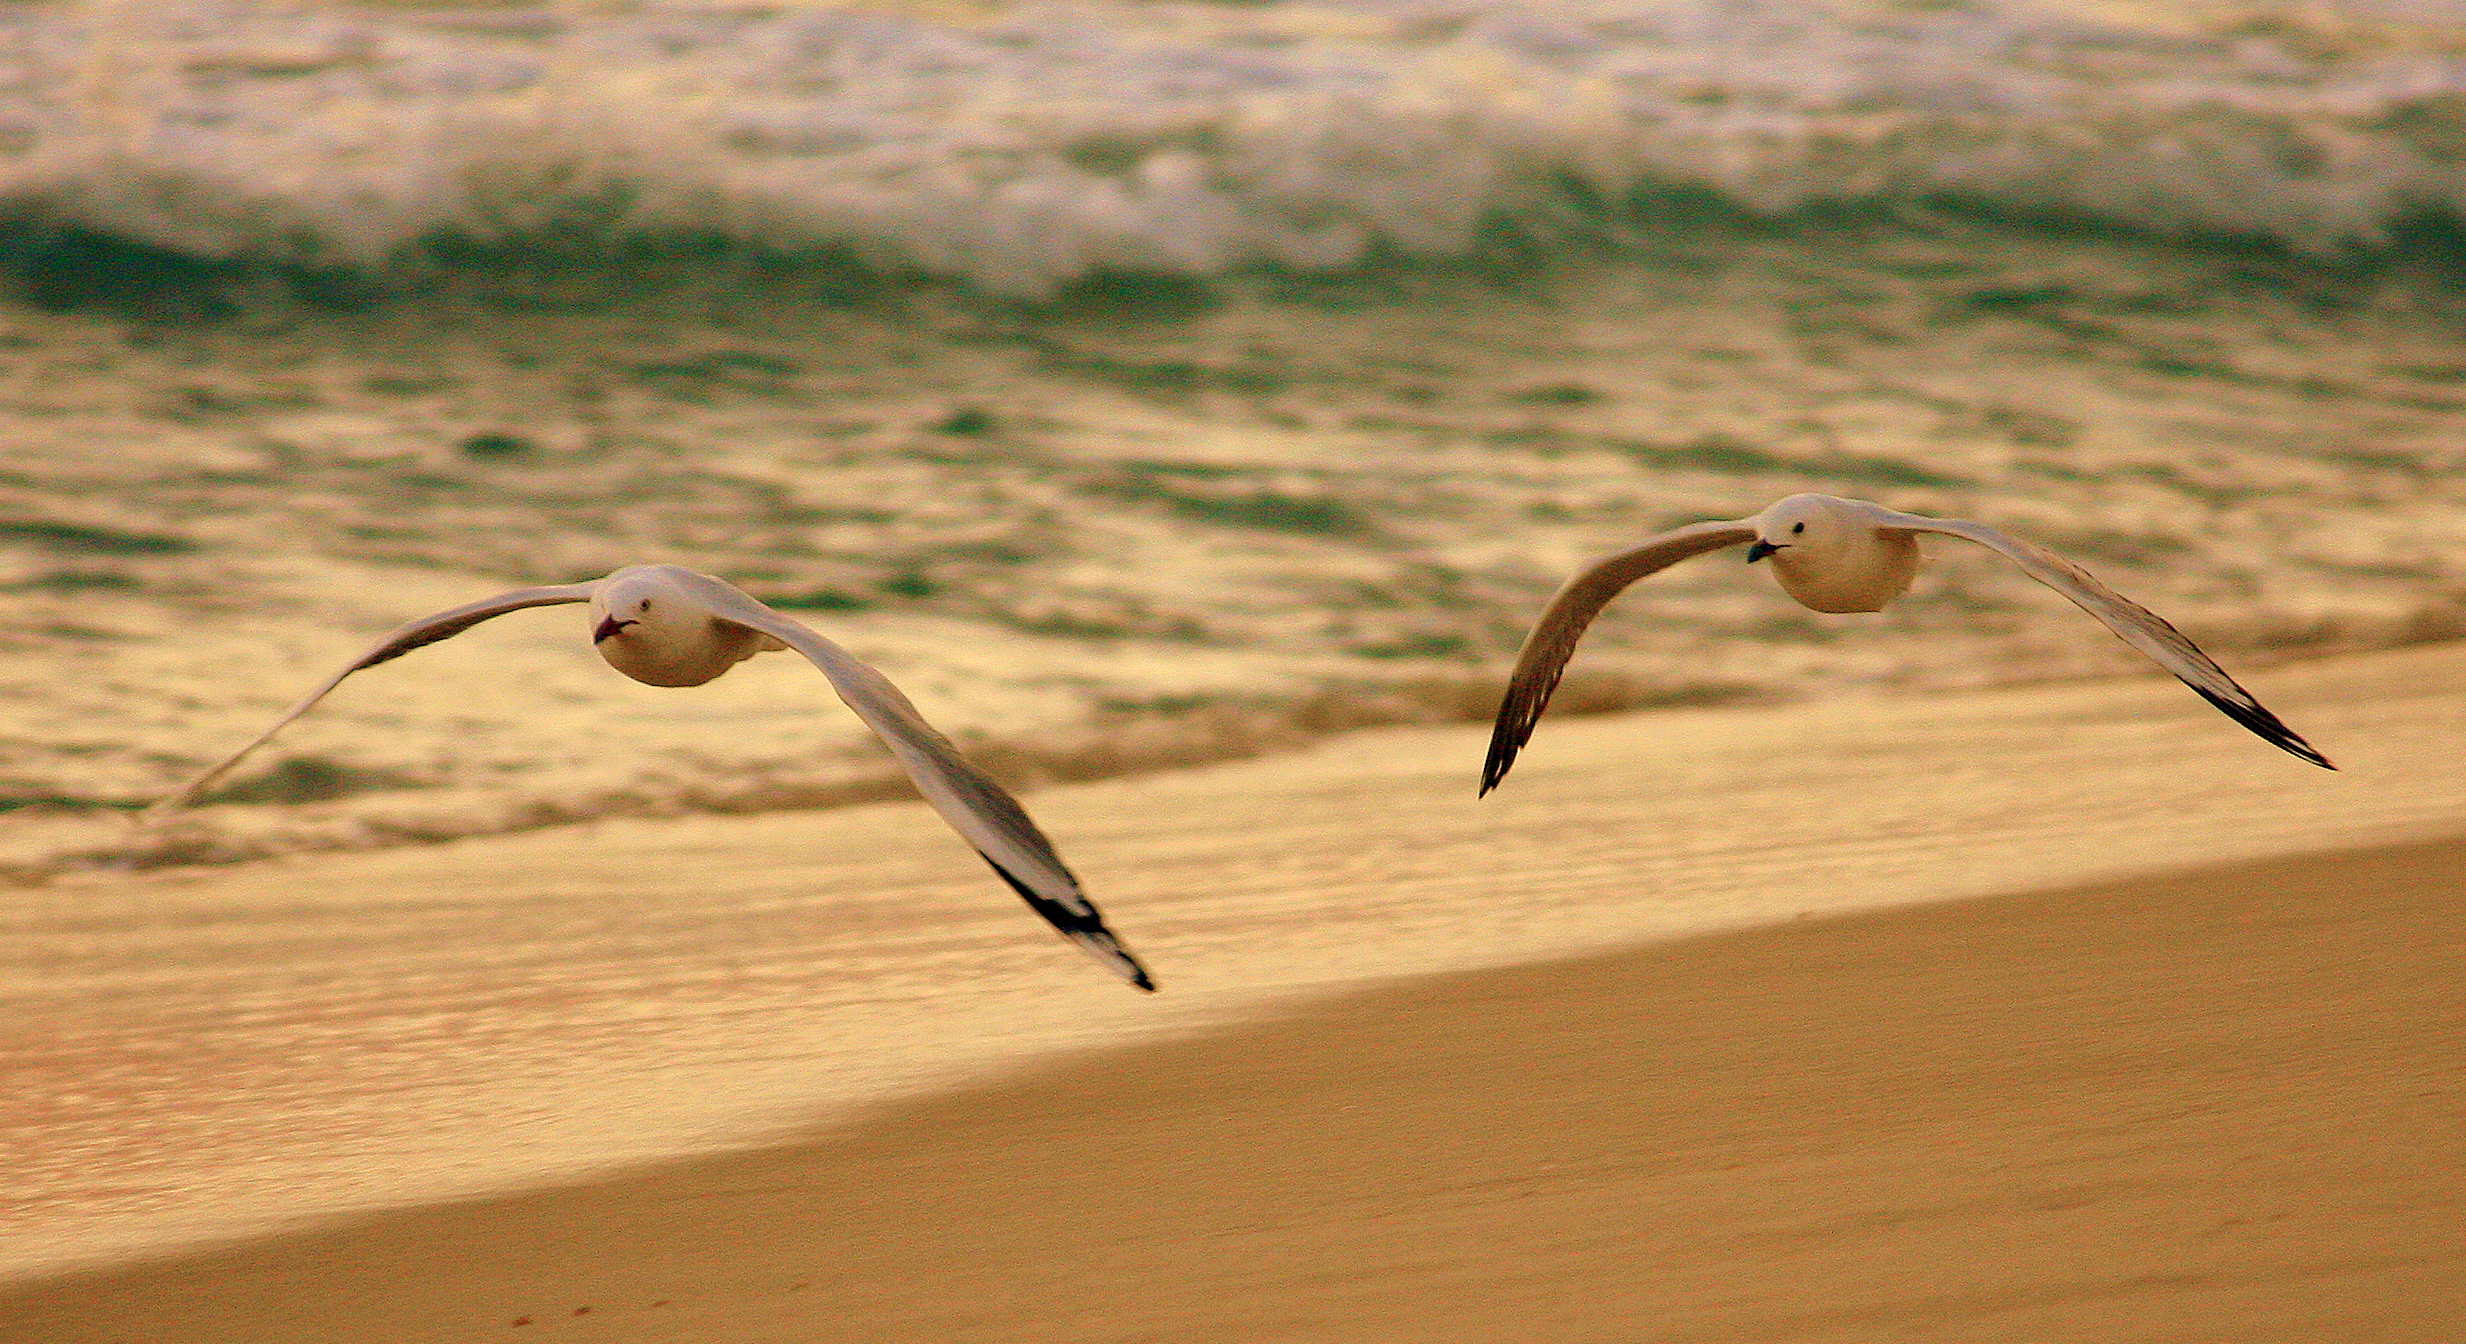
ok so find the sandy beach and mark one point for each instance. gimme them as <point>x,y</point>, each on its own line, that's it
<point>2214,1107</point>
<point>829,1086</point>
<point>1190,406</point>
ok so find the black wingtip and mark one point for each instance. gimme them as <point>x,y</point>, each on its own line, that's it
<point>1507,737</point>
<point>1110,951</point>
<point>1494,771</point>
<point>1102,945</point>
<point>1087,930</point>
<point>1511,731</point>
<point>2266,727</point>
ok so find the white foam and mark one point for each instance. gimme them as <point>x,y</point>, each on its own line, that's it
<point>1020,145</point>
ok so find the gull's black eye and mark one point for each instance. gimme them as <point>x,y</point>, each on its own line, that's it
<point>1796,528</point>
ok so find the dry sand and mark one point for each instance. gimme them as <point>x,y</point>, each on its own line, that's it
<point>2035,1105</point>
<point>2216,1107</point>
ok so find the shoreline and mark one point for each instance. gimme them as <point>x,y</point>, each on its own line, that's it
<point>205,835</point>
<point>1079,754</point>
<point>1039,522</point>
<point>209,1054</point>
<point>2088,1113</point>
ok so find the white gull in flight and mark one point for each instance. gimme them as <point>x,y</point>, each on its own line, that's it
<point>1843,555</point>
<point>668,626</point>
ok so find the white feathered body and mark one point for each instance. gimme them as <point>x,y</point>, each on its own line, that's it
<point>1841,561</point>
<point>669,639</point>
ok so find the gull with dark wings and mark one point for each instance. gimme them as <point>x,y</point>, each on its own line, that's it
<point>667,626</point>
<point>1844,555</point>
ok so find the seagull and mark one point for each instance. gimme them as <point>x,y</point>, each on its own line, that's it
<point>664,625</point>
<point>1844,555</point>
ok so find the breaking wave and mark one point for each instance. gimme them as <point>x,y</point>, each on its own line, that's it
<point>1021,146</point>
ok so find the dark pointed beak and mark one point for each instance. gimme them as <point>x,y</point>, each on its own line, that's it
<point>1759,550</point>
<point>609,626</point>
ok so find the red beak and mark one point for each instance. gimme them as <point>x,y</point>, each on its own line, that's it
<point>609,626</point>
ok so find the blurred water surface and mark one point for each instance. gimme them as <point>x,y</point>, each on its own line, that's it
<point>1022,145</point>
<point>1142,384</point>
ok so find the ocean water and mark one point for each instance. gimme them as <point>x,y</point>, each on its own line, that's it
<point>1322,491</point>
<point>1021,146</point>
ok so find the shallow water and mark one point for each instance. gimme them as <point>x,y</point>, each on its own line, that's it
<point>1094,541</point>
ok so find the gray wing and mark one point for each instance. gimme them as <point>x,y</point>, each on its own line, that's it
<point>2133,623</point>
<point>418,634</point>
<point>983,812</point>
<point>1553,640</point>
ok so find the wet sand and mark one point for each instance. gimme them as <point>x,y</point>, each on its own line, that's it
<point>203,1055</point>
<point>2216,1106</point>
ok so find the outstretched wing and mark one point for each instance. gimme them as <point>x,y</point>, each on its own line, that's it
<point>1553,640</point>
<point>418,634</point>
<point>983,812</point>
<point>2133,623</point>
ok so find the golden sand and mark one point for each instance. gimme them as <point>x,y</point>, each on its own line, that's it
<point>2220,1106</point>
<point>209,1053</point>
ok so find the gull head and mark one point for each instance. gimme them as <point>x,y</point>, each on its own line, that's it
<point>1815,526</point>
<point>1829,554</point>
<point>624,605</point>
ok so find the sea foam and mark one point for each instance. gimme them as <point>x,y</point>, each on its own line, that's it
<point>1018,146</point>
